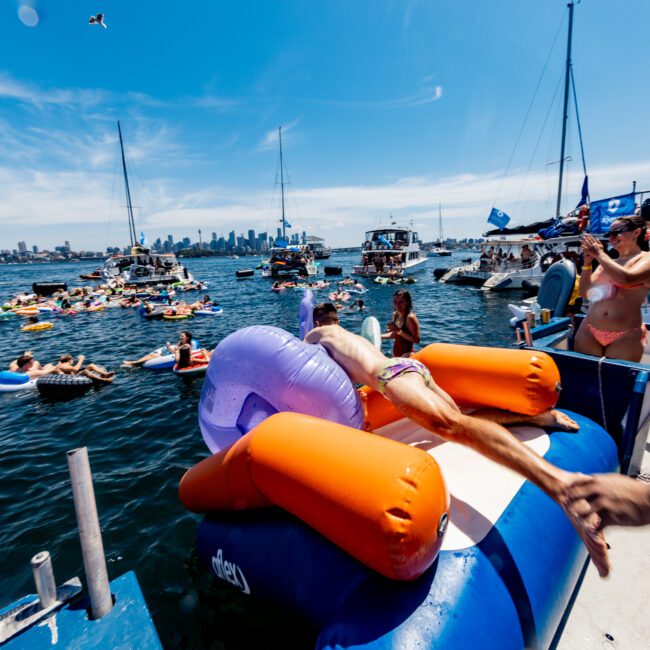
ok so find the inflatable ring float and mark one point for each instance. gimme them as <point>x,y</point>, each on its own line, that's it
<point>36,327</point>
<point>63,385</point>
<point>10,382</point>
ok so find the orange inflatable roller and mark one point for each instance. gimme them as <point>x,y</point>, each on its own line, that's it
<point>383,502</point>
<point>522,381</point>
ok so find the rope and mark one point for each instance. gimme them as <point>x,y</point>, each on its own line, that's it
<point>530,106</point>
<point>600,390</point>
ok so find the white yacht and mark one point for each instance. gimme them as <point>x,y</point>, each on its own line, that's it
<point>288,261</point>
<point>390,252</point>
<point>144,267</point>
<point>508,263</point>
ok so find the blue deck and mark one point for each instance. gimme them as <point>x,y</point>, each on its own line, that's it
<point>128,625</point>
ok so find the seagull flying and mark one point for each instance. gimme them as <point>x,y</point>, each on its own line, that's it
<point>97,20</point>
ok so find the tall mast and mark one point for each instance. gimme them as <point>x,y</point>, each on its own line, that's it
<point>282,181</point>
<point>129,207</point>
<point>440,235</point>
<point>567,75</point>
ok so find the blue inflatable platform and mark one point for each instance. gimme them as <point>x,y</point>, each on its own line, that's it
<point>509,563</point>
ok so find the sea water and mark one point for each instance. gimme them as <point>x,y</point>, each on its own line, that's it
<point>142,435</point>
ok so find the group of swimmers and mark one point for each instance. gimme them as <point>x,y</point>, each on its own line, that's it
<point>27,364</point>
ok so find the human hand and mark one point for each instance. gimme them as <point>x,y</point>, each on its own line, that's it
<point>391,326</point>
<point>591,246</point>
<point>618,500</point>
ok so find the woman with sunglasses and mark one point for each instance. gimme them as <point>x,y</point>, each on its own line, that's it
<point>616,290</point>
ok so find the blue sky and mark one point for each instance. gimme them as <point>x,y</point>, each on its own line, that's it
<point>387,106</point>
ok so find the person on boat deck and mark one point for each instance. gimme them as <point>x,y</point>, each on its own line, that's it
<point>27,365</point>
<point>526,256</point>
<point>616,290</point>
<point>615,499</point>
<point>408,384</point>
<point>185,339</point>
<point>92,370</point>
<point>404,328</point>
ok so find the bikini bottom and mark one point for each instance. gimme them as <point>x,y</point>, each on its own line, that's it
<point>607,337</point>
<point>396,367</point>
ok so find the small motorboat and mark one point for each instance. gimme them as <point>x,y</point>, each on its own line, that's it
<point>244,273</point>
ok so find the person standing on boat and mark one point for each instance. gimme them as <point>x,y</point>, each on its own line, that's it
<point>404,328</point>
<point>408,385</point>
<point>616,290</point>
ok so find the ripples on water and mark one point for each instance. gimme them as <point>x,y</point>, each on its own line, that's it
<point>142,435</point>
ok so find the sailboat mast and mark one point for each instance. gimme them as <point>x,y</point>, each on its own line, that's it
<point>129,207</point>
<point>440,235</point>
<point>282,182</point>
<point>567,75</point>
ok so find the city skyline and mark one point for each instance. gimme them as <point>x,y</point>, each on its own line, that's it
<point>451,103</point>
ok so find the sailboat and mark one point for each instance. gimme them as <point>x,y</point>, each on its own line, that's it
<point>439,249</point>
<point>502,264</point>
<point>287,260</point>
<point>141,266</point>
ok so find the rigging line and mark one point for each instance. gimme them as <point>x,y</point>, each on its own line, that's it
<point>575,101</point>
<point>530,106</point>
<point>539,138</point>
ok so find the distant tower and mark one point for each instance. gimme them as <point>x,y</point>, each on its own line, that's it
<point>200,238</point>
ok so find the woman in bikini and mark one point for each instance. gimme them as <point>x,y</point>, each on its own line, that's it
<point>616,290</point>
<point>404,328</point>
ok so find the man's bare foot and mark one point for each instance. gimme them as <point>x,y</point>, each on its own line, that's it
<point>586,526</point>
<point>552,418</point>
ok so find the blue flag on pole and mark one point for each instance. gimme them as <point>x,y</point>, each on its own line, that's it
<point>287,224</point>
<point>584,194</point>
<point>603,213</point>
<point>498,218</point>
<point>143,239</point>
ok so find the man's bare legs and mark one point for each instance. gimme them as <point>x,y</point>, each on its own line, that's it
<point>434,410</point>
<point>97,373</point>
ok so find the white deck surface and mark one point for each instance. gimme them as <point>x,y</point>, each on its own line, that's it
<point>618,606</point>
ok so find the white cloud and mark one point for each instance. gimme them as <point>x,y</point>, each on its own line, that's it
<point>341,213</point>
<point>270,139</point>
<point>426,95</point>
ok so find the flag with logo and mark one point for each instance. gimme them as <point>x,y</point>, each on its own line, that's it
<point>498,218</point>
<point>603,213</point>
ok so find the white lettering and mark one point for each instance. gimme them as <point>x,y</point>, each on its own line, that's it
<point>229,572</point>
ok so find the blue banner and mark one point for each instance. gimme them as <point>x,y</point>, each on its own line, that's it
<point>287,224</point>
<point>498,218</point>
<point>143,239</point>
<point>603,213</point>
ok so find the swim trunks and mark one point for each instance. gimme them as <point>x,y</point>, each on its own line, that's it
<point>400,366</point>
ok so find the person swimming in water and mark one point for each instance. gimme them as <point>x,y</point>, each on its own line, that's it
<point>408,384</point>
<point>92,371</point>
<point>404,328</point>
<point>616,290</point>
<point>184,339</point>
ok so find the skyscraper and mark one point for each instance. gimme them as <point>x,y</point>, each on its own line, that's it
<point>22,247</point>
